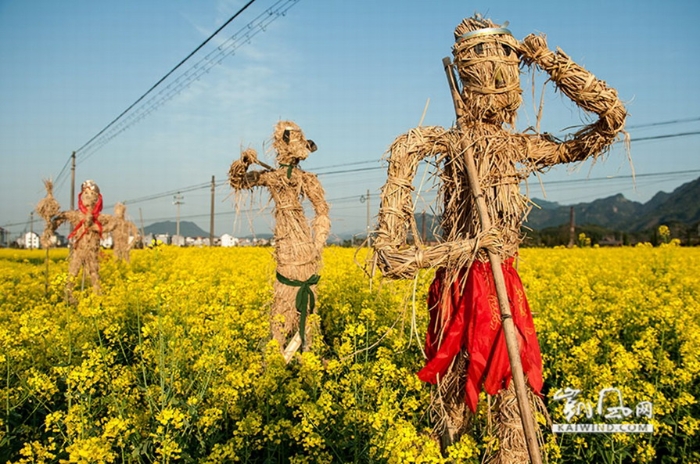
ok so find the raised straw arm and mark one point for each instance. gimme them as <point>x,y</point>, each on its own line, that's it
<point>587,92</point>
<point>499,280</point>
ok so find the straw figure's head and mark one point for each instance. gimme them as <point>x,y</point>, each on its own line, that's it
<point>90,198</point>
<point>119,210</point>
<point>486,57</point>
<point>48,207</point>
<point>290,144</point>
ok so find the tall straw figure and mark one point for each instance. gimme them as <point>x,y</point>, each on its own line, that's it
<point>298,242</point>
<point>481,163</point>
<point>88,226</point>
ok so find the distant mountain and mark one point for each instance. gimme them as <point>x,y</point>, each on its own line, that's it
<point>611,212</point>
<point>680,206</point>
<point>619,213</point>
<point>187,229</point>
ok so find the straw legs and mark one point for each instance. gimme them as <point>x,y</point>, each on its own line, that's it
<point>87,259</point>
<point>501,420</point>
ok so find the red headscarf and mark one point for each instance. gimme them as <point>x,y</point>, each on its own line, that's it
<point>95,213</point>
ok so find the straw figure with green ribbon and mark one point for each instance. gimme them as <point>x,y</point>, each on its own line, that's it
<point>481,334</point>
<point>298,242</point>
<point>89,227</point>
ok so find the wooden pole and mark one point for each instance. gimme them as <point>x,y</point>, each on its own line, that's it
<point>72,182</point>
<point>572,228</point>
<point>211,215</point>
<point>495,260</point>
<point>143,231</point>
<point>31,231</point>
<point>369,239</point>
<point>177,201</point>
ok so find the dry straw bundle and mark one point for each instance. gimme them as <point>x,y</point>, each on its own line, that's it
<point>488,67</point>
<point>88,226</point>
<point>298,242</point>
<point>507,426</point>
<point>487,59</point>
<point>48,208</point>
<point>122,231</point>
<point>396,218</point>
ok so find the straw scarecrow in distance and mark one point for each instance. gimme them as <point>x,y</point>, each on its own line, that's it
<point>123,230</point>
<point>88,226</point>
<point>298,242</point>
<point>465,341</point>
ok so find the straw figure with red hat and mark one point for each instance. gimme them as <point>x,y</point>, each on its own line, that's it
<point>298,242</point>
<point>481,334</point>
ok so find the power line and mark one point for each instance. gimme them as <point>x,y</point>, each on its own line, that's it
<point>167,75</point>
<point>113,129</point>
<point>375,168</point>
<point>194,73</point>
<point>346,199</point>
<point>665,136</point>
<point>629,176</point>
<point>346,171</point>
<point>663,123</point>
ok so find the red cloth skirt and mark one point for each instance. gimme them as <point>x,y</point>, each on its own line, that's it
<point>468,316</point>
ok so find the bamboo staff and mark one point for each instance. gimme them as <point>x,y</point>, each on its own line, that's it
<point>495,260</point>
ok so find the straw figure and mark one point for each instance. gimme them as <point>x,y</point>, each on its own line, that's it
<point>480,164</point>
<point>47,208</point>
<point>88,227</point>
<point>123,230</point>
<point>298,242</point>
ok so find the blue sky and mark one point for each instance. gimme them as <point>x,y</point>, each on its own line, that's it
<point>353,74</point>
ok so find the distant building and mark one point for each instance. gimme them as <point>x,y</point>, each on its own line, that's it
<point>163,238</point>
<point>228,240</point>
<point>178,240</point>
<point>200,241</point>
<point>107,241</point>
<point>30,240</point>
<point>610,241</point>
<point>58,240</point>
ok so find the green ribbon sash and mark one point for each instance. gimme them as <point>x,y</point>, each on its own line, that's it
<point>305,299</point>
<point>289,172</point>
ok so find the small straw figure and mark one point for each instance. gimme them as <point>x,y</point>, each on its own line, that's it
<point>88,227</point>
<point>123,230</point>
<point>47,208</point>
<point>298,243</point>
<point>465,345</point>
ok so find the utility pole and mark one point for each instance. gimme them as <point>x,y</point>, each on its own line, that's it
<point>143,231</point>
<point>572,228</point>
<point>211,216</point>
<point>365,199</point>
<point>31,231</point>
<point>177,201</point>
<point>72,182</point>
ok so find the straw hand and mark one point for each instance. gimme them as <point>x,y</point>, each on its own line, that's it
<point>533,49</point>
<point>492,240</point>
<point>249,156</point>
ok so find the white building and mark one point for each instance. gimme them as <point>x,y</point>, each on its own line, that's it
<point>29,240</point>
<point>228,240</point>
<point>163,238</point>
<point>107,241</point>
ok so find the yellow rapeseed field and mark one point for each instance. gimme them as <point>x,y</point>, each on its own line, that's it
<point>173,361</point>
